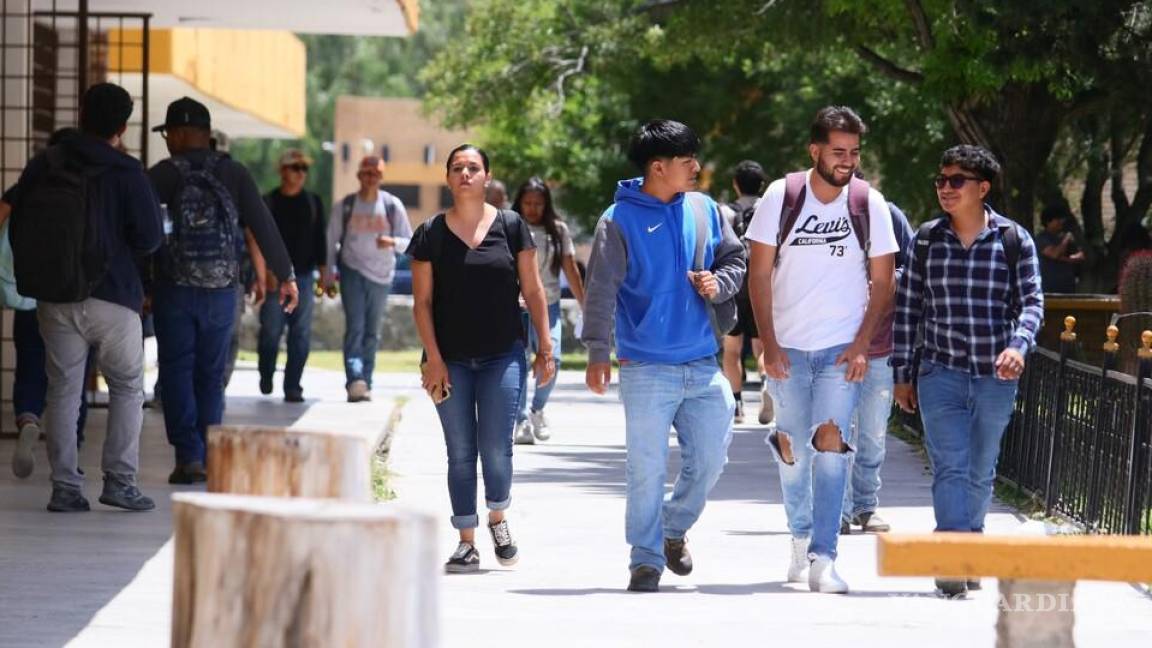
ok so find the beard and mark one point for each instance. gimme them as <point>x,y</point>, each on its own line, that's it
<point>829,175</point>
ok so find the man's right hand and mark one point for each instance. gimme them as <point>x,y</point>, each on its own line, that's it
<point>776,363</point>
<point>598,376</point>
<point>905,396</point>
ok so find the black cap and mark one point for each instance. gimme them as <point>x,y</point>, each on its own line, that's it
<point>186,111</point>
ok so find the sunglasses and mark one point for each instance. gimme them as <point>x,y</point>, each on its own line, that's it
<point>955,181</point>
<point>299,168</point>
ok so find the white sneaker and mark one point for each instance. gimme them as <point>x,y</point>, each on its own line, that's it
<point>767,412</point>
<point>539,425</point>
<point>23,461</point>
<point>799,563</point>
<point>822,577</point>
<point>524,434</point>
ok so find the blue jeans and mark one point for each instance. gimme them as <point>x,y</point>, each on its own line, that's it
<point>696,399</point>
<point>478,419</point>
<point>30,379</point>
<point>869,431</point>
<point>540,398</point>
<point>193,329</point>
<point>272,321</point>
<point>964,420</point>
<point>815,392</point>
<point>364,303</point>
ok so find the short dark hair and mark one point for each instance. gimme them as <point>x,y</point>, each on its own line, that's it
<point>661,138</point>
<point>467,147</point>
<point>974,159</point>
<point>104,110</point>
<point>835,118</point>
<point>749,176</point>
<point>1054,212</point>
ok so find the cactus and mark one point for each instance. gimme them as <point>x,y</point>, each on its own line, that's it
<point>1135,297</point>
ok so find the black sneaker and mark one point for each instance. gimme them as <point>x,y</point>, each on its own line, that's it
<point>845,527</point>
<point>974,585</point>
<point>952,589</point>
<point>189,473</point>
<point>464,560</point>
<point>506,552</point>
<point>644,579</point>
<point>294,397</point>
<point>67,499</point>
<point>122,493</point>
<point>265,385</point>
<point>738,415</point>
<point>676,553</point>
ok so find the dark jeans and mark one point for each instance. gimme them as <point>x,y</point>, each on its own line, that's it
<point>193,329</point>
<point>272,321</point>
<point>478,419</point>
<point>30,383</point>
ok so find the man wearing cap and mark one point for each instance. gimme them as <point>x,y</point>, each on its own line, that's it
<point>300,218</point>
<point>364,232</point>
<point>210,198</point>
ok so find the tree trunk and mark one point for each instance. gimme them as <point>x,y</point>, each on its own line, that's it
<point>287,573</point>
<point>282,462</point>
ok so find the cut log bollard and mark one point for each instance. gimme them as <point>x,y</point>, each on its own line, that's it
<point>281,572</point>
<point>287,462</point>
<point>1037,574</point>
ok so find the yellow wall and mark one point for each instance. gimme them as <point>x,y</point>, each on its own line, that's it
<point>262,73</point>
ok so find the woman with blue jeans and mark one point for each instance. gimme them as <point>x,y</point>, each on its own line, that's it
<point>554,252</point>
<point>470,265</point>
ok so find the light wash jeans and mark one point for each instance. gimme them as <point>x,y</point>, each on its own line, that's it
<point>365,303</point>
<point>540,397</point>
<point>696,399</point>
<point>68,331</point>
<point>869,431</point>
<point>964,420</point>
<point>815,392</point>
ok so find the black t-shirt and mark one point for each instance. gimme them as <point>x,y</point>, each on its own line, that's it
<point>302,225</point>
<point>476,293</point>
<point>1055,276</point>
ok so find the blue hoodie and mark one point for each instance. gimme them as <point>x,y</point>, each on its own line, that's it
<point>638,279</point>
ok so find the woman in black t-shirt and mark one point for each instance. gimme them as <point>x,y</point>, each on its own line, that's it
<point>469,267</point>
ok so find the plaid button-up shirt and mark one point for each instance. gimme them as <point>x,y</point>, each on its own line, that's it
<point>965,309</point>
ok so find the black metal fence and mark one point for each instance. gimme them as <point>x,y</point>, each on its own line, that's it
<point>1081,439</point>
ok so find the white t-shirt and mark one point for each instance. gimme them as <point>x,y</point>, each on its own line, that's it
<point>546,252</point>
<point>819,289</point>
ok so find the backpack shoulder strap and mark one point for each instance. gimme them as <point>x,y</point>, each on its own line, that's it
<point>795,190</point>
<point>1011,242</point>
<point>920,244</point>
<point>435,235</point>
<point>699,207</point>
<point>858,192</point>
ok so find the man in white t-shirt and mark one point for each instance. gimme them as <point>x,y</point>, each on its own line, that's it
<point>818,237</point>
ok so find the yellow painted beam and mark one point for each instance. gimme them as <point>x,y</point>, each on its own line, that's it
<point>411,11</point>
<point>1054,558</point>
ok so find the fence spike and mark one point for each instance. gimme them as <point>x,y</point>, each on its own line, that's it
<point>1111,346</point>
<point>1069,335</point>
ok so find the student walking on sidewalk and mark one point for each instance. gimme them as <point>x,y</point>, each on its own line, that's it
<point>554,253</point>
<point>470,265</point>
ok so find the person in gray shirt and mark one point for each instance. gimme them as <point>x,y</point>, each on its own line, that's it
<point>364,232</point>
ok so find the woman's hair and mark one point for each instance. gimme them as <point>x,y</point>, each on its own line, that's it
<point>550,219</point>
<point>466,147</point>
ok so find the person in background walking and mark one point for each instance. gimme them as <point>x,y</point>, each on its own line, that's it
<point>554,253</point>
<point>365,231</point>
<point>1060,260</point>
<point>299,216</point>
<point>497,195</point>
<point>470,265</point>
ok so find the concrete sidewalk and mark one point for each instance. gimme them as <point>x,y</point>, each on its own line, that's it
<point>568,588</point>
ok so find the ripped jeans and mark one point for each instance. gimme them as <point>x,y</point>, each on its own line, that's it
<point>815,393</point>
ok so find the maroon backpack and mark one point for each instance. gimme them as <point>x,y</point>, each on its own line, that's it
<point>795,190</point>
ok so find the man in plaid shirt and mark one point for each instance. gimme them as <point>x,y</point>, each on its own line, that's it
<point>977,319</point>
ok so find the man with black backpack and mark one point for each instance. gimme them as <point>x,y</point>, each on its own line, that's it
<point>299,216</point>
<point>365,232</point>
<point>84,215</point>
<point>209,198</point>
<point>748,181</point>
<point>821,281</point>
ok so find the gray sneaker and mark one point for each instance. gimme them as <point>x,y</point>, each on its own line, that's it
<point>67,499</point>
<point>121,493</point>
<point>23,461</point>
<point>358,391</point>
<point>539,425</point>
<point>523,434</point>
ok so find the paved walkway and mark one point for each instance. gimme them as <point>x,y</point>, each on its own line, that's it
<point>104,578</point>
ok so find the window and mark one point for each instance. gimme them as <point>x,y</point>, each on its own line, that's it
<point>345,152</point>
<point>408,194</point>
<point>385,154</point>
<point>429,154</point>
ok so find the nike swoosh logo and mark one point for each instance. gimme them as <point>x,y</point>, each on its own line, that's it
<point>654,227</point>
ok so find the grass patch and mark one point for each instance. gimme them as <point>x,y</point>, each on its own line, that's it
<point>381,478</point>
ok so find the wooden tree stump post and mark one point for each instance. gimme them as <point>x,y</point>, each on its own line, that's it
<point>281,572</point>
<point>286,462</point>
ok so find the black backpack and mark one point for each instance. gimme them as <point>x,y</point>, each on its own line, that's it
<point>743,217</point>
<point>58,254</point>
<point>204,248</point>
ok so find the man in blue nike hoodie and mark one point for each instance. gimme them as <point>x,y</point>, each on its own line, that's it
<point>642,282</point>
